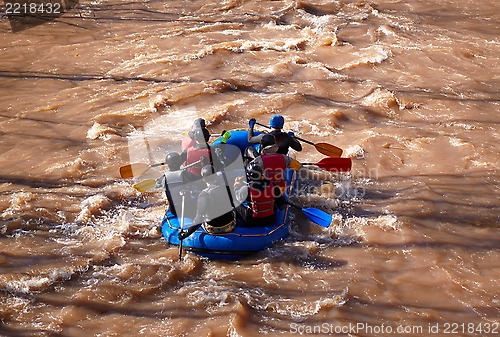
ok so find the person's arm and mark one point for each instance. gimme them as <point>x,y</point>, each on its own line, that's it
<point>184,234</point>
<point>251,124</point>
<point>251,138</point>
<point>293,142</point>
<point>255,139</point>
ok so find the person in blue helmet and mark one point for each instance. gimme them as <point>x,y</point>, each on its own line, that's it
<point>284,141</point>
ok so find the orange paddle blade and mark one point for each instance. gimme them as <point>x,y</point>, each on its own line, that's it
<point>328,150</point>
<point>133,170</point>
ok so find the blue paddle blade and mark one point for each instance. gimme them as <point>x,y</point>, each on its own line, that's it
<point>318,216</point>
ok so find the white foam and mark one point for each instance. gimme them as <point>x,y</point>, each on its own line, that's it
<point>99,131</point>
<point>355,151</point>
<point>273,26</point>
<point>27,284</point>
<point>457,141</point>
<point>18,201</point>
<point>369,55</point>
<point>91,206</point>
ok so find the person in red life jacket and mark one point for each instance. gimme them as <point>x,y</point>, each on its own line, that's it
<point>199,152</point>
<point>261,199</point>
<point>283,140</point>
<point>274,164</point>
<point>214,209</point>
<point>188,140</point>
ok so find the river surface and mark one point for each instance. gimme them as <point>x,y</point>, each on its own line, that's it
<point>409,89</point>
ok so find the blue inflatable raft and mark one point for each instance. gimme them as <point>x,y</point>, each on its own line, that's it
<point>242,241</point>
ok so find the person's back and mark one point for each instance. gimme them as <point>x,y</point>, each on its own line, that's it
<point>274,164</point>
<point>199,154</point>
<point>262,197</point>
<point>187,142</point>
<point>214,209</point>
<point>284,141</point>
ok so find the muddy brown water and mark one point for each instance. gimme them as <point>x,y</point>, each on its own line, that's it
<point>409,90</point>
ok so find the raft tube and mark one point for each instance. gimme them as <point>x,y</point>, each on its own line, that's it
<point>242,241</point>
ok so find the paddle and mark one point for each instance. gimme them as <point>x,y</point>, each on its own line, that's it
<point>147,184</point>
<point>316,215</point>
<point>324,148</point>
<point>136,169</point>
<point>183,194</point>
<point>333,164</point>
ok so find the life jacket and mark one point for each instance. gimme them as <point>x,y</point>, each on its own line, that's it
<point>274,168</point>
<point>187,142</point>
<point>193,155</point>
<point>262,201</point>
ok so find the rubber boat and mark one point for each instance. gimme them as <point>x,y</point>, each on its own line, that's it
<point>242,241</point>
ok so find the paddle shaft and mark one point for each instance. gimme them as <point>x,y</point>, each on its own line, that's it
<point>293,205</point>
<point>303,140</point>
<point>333,164</point>
<point>182,223</point>
<point>145,185</point>
<point>136,169</point>
<point>326,149</point>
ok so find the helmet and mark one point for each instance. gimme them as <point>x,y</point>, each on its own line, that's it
<point>254,171</point>
<point>199,123</point>
<point>207,170</point>
<point>267,140</point>
<point>201,135</point>
<point>277,122</point>
<point>173,161</point>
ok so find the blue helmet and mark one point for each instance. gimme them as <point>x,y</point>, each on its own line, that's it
<point>277,122</point>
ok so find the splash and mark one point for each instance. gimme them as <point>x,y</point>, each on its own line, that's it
<point>369,55</point>
<point>22,284</point>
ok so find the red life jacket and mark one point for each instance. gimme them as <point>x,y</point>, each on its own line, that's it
<point>262,202</point>
<point>187,142</point>
<point>274,168</point>
<point>193,155</point>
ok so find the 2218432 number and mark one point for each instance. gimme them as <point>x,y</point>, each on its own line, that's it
<point>462,328</point>
<point>32,8</point>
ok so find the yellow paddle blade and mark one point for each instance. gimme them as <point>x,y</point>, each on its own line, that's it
<point>328,150</point>
<point>145,185</point>
<point>133,170</point>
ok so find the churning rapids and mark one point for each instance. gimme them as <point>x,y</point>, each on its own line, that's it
<point>409,90</point>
